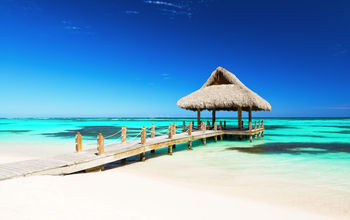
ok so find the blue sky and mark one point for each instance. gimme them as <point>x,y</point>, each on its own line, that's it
<point>137,58</point>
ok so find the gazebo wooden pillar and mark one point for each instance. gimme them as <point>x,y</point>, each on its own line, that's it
<point>250,119</point>
<point>198,118</point>
<point>214,117</point>
<point>239,117</point>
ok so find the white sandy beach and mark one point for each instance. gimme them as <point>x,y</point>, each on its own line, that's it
<point>161,188</point>
<point>115,194</point>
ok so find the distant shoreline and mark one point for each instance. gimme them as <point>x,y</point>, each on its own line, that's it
<point>177,117</point>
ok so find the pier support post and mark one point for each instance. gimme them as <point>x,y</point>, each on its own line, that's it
<point>143,156</point>
<point>174,128</point>
<point>203,127</point>
<point>225,124</point>
<point>143,135</point>
<point>170,150</point>
<point>153,134</point>
<point>213,116</point>
<point>190,145</point>
<point>250,119</point>
<point>215,128</point>
<point>78,142</point>
<point>250,139</point>
<point>198,118</point>
<point>184,126</point>
<point>153,131</point>
<point>174,132</point>
<point>170,132</point>
<point>143,141</point>
<point>100,144</point>
<point>255,125</point>
<point>239,118</point>
<point>189,132</point>
<point>221,136</point>
<point>256,136</point>
<point>170,136</point>
<point>262,125</point>
<point>123,136</point>
<point>259,125</point>
<point>123,161</point>
<point>208,125</point>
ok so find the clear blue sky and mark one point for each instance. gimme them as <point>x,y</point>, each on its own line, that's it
<point>137,58</point>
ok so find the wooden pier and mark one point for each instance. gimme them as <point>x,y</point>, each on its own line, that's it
<point>95,159</point>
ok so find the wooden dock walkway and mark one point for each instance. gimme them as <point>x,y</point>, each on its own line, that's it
<point>91,159</point>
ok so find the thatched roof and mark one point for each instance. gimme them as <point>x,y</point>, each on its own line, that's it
<point>224,91</point>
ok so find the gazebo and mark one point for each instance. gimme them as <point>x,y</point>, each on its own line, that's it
<point>223,91</point>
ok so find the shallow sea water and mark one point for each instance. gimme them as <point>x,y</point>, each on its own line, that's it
<point>312,150</point>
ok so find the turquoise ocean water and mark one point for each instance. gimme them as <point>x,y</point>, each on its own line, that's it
<point>316,149</point>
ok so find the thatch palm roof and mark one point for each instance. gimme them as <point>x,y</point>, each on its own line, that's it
<point>224,91</point>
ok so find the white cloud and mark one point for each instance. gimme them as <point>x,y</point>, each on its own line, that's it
<point>163,3</point>
<point>76,29</point>
<point>132,12</point>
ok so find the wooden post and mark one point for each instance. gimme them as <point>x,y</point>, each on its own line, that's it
<point>213,116</point>
<point>189,131</point>
<point>78,142</point>
<point>143,141</point>
<point>170,150</point>
<point>254,125</point>
<point>123,161</point>
<point>153,134</point>
<point>153,131</point>
<point>208,125</point>
<point>239,117</point>
<point>143,156</point>
<point>170,136</point>
<point>170,132</point>
<point>221,137</point>
<point>174,132</point>
<point>256,137</point>
<point>204,126</point>
<point>184,126</point>
<point>143,135</point>
<point>100,144</point>
<point>215,128</point>
<point>198,118</point>
<point>224,124</point>
<point>250,119</point>
<point>259,125</point>
<point>193,125</point>
<point>190,145</point>
<point>250,139</point>
<point>262,125</point>
<point>123,136</point>
<point>204,141</point>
